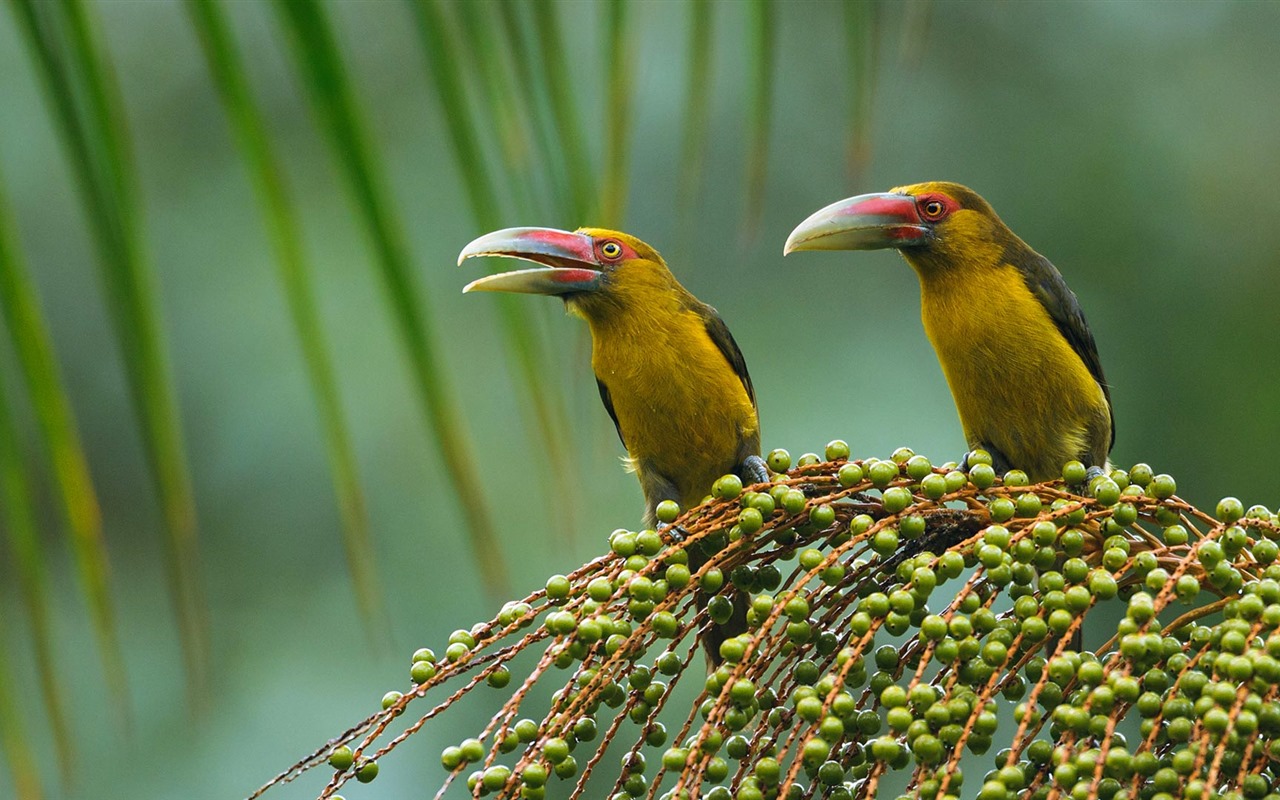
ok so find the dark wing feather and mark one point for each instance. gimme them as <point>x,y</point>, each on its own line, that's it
<point>1046,283</point>
<point>608,406</point>
<point>719,333</point>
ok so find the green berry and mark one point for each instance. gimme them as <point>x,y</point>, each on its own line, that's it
<point>567,768</point>
<point>982,475</point>
<point>778,460</point>
<point>711,580</point>
<point>534,775</point>
<point>885,541</point>
<point>896,499</point>
<point>664,624</point>
<point>1073,473</point>
<point>341,758</point>
<point>1106,491</point>
<point>367,771</point>
<point>793,501</point>
<point>881,473</point>
<point>423,671</point>
<point>1162,487</point>
<point>727,487</point>
<point>750,520</point>
<point>472,749</point>
<point>451,758</point>
<point>918,467</point>
<point>499,678</point>
<point>934,486</point>
<point>667,511</point>
<point>823,516</point>
<point>558,587</point>
<point>495,777</point>
<point>1015,477</point>
<point>836,449</point>
<point>555,749</point>
<point>815,751</point>
<point>1229,509</point>
<point>849,474</point>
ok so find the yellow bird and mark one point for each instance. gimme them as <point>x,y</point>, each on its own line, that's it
<point>669,372</point>
<point>1013,343</point>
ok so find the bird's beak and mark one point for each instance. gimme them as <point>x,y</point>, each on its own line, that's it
<point>865,222</point>
<point>568,261</point>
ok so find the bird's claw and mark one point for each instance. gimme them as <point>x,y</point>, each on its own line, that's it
<point>995,458</point>
<point>1091,476</point>
<point>754,470</point>
<point>678,533</point>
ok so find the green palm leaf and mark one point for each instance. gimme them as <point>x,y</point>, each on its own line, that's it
<point>614,176</point>
<point>488,54</point>
<point>560,91</point>
<point>760,49</point>
<point>86,110</point>
<point>48,399</point>
<point>860,36</point>
<point>227,69</point>
<point>696,106</point>
<point>522,338</point>
<point>14,739</point>
<point>324,76</point>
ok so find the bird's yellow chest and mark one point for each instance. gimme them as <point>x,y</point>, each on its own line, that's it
<point>1017,383</point>
<point>681,409</point>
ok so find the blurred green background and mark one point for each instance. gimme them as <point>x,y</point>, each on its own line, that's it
<point>1134,144</point>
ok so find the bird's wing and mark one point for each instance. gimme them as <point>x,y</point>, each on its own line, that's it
<point>608,406</point>
<point>719,333</point>
<point>1046,283</point>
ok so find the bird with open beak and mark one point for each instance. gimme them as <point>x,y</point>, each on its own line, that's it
<point>669,372</point>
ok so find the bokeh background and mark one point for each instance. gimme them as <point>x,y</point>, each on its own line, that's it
<point>1132,143</point>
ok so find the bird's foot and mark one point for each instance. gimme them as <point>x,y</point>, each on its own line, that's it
<point>986,454</point>
<point>677,532</point>
<point>1091,476</point>
<point>972,457</point>
<point>754,470</point>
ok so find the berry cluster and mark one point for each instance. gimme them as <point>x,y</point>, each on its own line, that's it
<point>897,611</point>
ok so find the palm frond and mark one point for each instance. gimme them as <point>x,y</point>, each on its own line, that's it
<point>61,441</point>
<point>326,80</point>
<point>760,49</point>
<point>860,43</point>
<point>527,349</point>
<point>227,69</point>
<point>86,109</point>
<point>562,95</point>
<point>532,89</point>
<point>696,108</point>
<point>615,175</point>
<point>14,742</point>
<point>488,54</point>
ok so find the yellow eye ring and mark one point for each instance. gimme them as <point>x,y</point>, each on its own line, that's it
<point>933,209</point>
<point>611,249</point>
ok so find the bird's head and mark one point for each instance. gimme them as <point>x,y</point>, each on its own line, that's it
<point>592,269</point>
<point>936,226</point>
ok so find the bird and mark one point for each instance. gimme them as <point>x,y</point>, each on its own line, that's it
<point>670,374</point>
<point>1018,355</point>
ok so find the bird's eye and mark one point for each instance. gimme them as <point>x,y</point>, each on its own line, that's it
<point>611,249</point>
<point>933,209</point>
